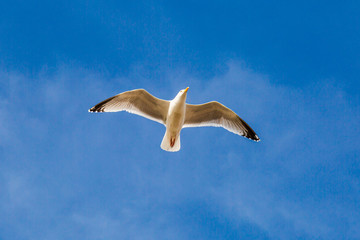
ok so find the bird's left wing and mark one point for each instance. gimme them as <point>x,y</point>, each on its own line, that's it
<point>137,101</point>
<point>217,115</point>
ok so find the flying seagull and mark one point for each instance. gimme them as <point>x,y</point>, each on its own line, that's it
<point>176,114</point>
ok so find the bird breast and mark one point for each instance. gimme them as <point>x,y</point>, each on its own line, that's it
<point>176,116</point>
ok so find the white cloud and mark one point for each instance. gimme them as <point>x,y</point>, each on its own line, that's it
<point>301,131</point>
<point>47,134</point>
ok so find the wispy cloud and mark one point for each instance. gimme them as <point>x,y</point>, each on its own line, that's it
<point>293,179</point>
<point>78,174</point>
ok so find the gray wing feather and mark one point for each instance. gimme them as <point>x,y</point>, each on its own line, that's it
<point>137,101</point>
<point>217,115</point>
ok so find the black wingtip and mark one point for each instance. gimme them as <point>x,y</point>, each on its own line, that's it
<point>256,139</point>
<point>253,137</point>
<point>95,109</point>
<point>249,132</point>
<point>100,106</point>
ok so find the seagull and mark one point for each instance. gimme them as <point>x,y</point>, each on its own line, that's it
<point>176,114</point>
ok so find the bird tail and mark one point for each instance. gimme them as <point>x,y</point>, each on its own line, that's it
<point>170,143</point>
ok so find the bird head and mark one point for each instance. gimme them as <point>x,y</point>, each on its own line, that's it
<point>182,93</point>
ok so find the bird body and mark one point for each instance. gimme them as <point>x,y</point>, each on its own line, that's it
<point>174,122</point>
<point>176,114</point>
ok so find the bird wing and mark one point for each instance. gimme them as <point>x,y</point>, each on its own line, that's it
<point>137,101</point>
<point>217,115</point>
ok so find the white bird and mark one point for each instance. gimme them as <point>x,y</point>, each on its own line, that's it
<point>176,114</point>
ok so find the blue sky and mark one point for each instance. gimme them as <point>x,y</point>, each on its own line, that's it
<point>290,69</point>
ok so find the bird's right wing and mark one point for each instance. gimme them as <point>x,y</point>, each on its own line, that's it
<point>137,101</point>
<point>217,115</point>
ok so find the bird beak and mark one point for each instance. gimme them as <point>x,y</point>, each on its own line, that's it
<point>186,89</point>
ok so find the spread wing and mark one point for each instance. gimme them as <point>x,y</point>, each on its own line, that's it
<point>137,101</point>
<point>217,115</point>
